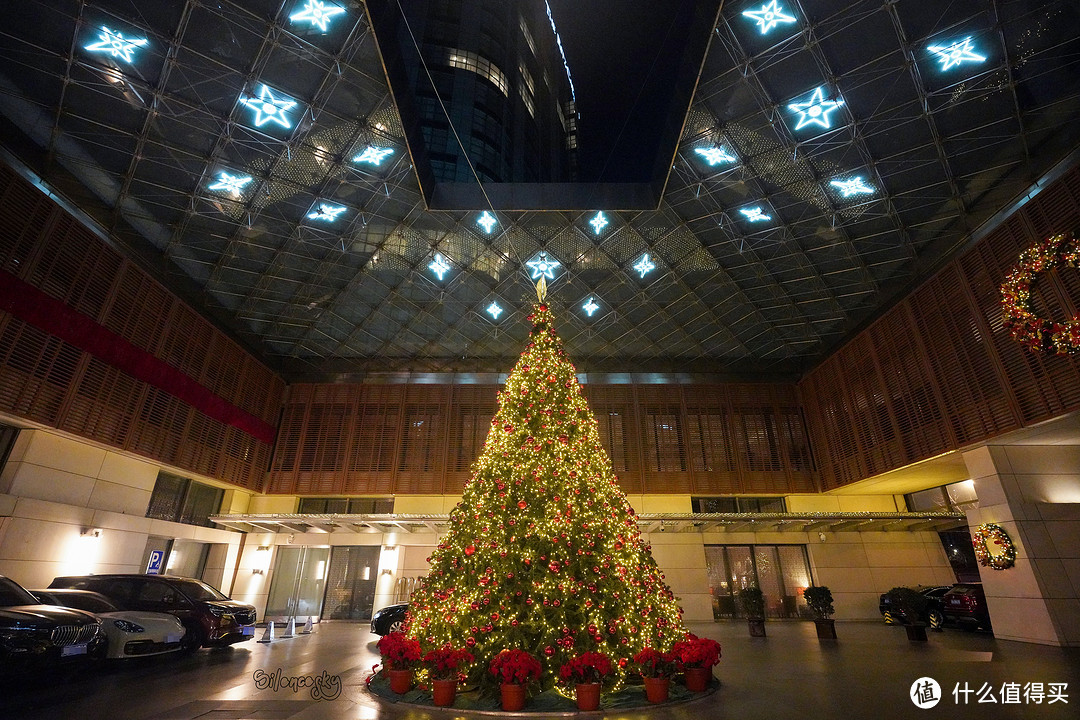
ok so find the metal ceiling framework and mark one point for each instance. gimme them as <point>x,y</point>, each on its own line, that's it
<point>136,146</point>
<point>411,524</point>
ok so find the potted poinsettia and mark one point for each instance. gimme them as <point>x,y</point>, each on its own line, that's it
<point>696,656</point>
<point>656,668</point>
<point>820,601</point>
<point>587,672</point>
<point>515,670</point>
<point>400,654</point>
<point>445,668</point>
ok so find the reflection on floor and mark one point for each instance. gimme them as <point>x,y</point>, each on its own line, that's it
<point>869,672</point>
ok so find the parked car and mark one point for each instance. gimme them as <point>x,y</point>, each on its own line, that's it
<point>210,617</point>
<point>965,604</point>
<point>934,615</point>
<point>35,635</point>
<point>389,619</point>
<point>130,633</point>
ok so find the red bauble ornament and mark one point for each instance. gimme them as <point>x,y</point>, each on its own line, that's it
<point>470,550</point>
<point>522,504</point>
<point>549,651</point>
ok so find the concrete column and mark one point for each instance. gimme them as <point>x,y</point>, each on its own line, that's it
<point>1033,493</point>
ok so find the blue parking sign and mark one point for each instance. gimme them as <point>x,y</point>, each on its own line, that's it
<point>153,567</point>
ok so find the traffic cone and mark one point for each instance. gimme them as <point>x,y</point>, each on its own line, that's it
<point>307,627</point>
<point>268,635</point>
<point>290,629</point>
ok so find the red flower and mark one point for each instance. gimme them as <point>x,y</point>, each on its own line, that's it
<point>653,663</point>
<point>588,667</point>
<point>398,651</point>
<point>696,652</point>
<point>515,667</point>
<point>446,663</point>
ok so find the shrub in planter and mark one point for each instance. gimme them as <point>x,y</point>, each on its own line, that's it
<point>820,601</point>
<point>753,605</point>
<point>445,668</point>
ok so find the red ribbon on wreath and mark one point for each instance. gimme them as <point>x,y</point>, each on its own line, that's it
<point>1031,331</point>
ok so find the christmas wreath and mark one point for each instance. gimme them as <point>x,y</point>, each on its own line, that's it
<point>1029,330</point>
<point>996,534</point>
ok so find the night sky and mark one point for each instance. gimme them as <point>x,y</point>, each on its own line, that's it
<point>623,55</point>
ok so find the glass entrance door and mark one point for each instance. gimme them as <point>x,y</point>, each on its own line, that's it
<point>350,591</point>
<point>298,583</point>
<point>781,571</point>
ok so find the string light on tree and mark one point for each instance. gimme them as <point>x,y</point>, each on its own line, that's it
<point>543,552</point>
<point>114,43</point>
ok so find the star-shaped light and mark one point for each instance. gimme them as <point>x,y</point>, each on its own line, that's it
<point>487,221</point>
<point>493,309</point>
<point>116,44</point>
<point>645,265</point>
<point>854,186</point>
<point>716,155</point>
<point>317,13</point>
<point>590,307</point>
<point>373,155</point>
<point>815,111</point>
<point>543,266</point>
<point>769,16</point>
<point>326,213</point>
<point>960,51</point>
<point>755,214</point>
<point>439,267</point>
<point>599,222</point>
<point>269,108</point>
<point>230,183</point>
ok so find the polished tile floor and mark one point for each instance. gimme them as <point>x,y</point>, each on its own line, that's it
<point>868,672</point>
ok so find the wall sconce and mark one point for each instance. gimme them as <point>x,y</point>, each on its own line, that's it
<point>262,560</point>
<point>387,571</point>
<point>91,532</point>
<point>256,571</point>
<point>821,536</point>
<point>388,548</point>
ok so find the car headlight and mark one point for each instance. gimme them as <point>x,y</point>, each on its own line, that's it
<point>216,610</point>
<point>128,626</point>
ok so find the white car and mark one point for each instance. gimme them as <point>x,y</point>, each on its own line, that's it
<point>131,633</point>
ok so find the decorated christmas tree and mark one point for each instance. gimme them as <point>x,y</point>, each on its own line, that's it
<point>543,553</point>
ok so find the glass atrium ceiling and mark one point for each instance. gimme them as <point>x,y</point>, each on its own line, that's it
<point>831,157</point>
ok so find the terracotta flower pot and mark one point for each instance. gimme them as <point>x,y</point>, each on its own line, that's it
<point>657,688</point>
<point>513,697</point>
<point>400,681</point>
<point>698,678</point>
<point>588,696</point>
<point>443,692</point>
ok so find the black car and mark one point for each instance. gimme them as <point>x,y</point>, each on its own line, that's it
<point>965,605</point>
<point>33,635</point>
<point>389,619</point>
<point>210,617</point>
<point>934,616</point>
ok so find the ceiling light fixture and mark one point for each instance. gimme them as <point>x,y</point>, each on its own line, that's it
<point>854,186</point>
<point>959,52</point>
<point>268,107</point>
<point>755,214</point>
<point>487,221</point>
<point>599,222</point>
<point>317,13</point>
<point>439,266</point>
<point>373,155</point>
<point>645,265</point>
<point>815,111</point>
<point>715,155</point>
<point>116,45</point>
<point>769,16</point>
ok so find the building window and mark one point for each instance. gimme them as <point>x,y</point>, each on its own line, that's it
<point>954,497</point>
<point>781,571</point>
<point>731,504</point>
<point>8,435</point>
<point>346,506</point>
<point>179,499</point>
<point>464,60</point>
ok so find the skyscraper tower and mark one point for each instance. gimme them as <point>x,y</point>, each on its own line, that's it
<point>490,89</point>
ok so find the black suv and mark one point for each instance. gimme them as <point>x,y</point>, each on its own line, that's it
<point>211,618</point>
<point>934,616</point>
<point>33,635</point>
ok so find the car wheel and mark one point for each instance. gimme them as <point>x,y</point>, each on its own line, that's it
<point>192,640</point>
<point>396,626</point>
<point>936,619</point>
